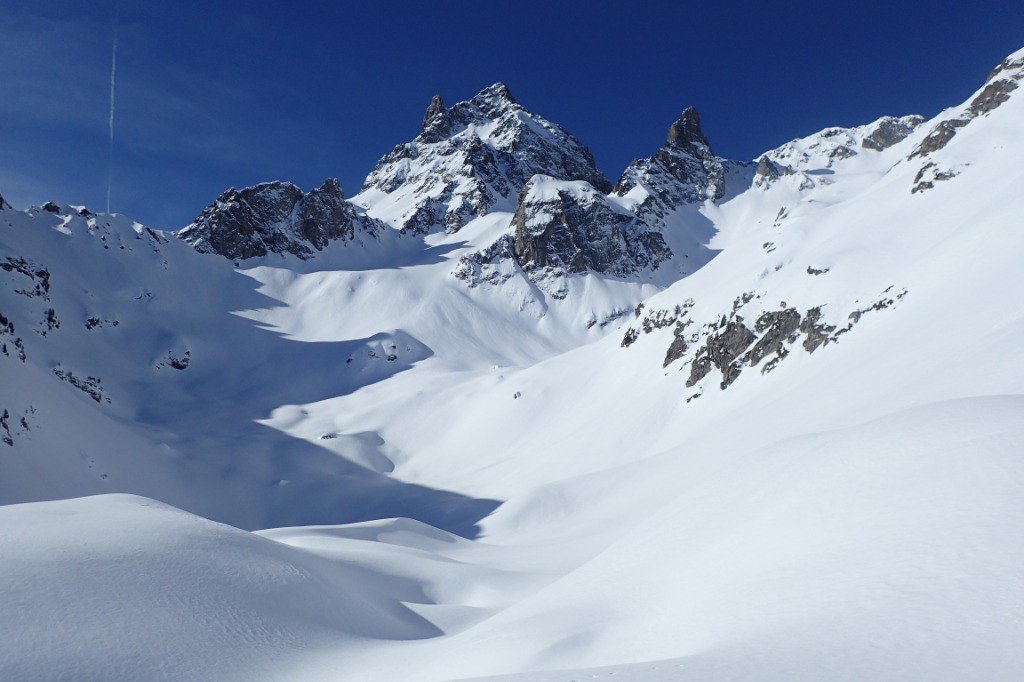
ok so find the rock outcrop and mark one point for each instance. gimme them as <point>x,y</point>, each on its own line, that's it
<point>1001,82</point>
<point>570,226</point>
<point>889,130</point>
<point>276,217</point>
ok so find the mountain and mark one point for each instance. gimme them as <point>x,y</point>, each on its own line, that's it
<point>470,160</point>
<point>726,419</point>
<point>561,227</point>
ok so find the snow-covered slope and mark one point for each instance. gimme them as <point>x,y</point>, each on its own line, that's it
<point>801,461</point>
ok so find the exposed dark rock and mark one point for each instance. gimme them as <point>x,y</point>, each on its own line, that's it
<point>939,137</point>
<point>1008,67</point>
<point>493,99</point>
<point>881,304</point>
<point>929,174</point>
<point>991,96</point>
<point>3,203</point>
<point>816,331</point>
<point>659,319</point>
<point>683,171</point>
<point>179,361</point>
<point>841,152</point>
<point>890,131</point>
<point>276,217</point>
<point>776,329</point>
<point>676,350</point>
<point>93,322</point>
<point>686,131</point>
<point>8,341</point>
<point>5,429</point>
<point>51,320</point>
<point>720,350</point>
<point>39,276</point>
<point>767,169</point>
<point>485,266</point>
<point>574,228</point>
<point>434,118</point>
<point>90,385</point>
<point>728,345</point>
<point>699,368</point>
<point>630,337</point>
<point>743,299</point>
<point>50,207</point>
<point>816,271</point>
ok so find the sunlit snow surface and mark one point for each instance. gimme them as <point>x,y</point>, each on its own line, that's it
<point>857,513</point>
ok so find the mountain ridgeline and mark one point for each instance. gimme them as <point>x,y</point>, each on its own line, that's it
<point>482,156</point>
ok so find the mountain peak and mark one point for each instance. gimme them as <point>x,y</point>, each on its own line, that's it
<point>472,159</point>
<point>435,109</point>
<point>499,90</point>
<point>494,99</point>
<point>686,130</point>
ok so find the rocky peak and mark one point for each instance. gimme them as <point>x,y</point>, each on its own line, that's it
<point>469,160</point>
<point>686,131</point>
<point>437,122</point>
<point>276,217</point>
<point>494,100</point>
<point>683,171</point>
<point>434,109</point>
<point>3,203</point>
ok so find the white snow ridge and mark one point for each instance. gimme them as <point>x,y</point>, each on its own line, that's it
<point>497,417</point>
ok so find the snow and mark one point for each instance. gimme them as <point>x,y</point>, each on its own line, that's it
<point>441,482</point>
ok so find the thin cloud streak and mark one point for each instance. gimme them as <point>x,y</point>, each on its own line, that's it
<point>110,156</point>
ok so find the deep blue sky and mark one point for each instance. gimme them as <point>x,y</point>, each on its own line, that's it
<point>219,94</point>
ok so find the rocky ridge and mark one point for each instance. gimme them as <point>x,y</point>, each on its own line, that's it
<point>562,228</point>
<point>572,227</point>
<point>276,217</point>
<point>812,159</point>
<point>684,171</point>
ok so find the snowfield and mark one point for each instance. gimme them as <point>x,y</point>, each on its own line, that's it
<point>803,461</point>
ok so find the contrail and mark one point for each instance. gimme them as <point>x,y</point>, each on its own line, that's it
<point>110,156</point>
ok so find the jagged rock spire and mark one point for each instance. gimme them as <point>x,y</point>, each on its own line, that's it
<point>686,130</point>
<point>434,110</point>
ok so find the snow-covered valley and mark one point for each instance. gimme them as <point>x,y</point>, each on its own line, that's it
<point>497,416</point>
